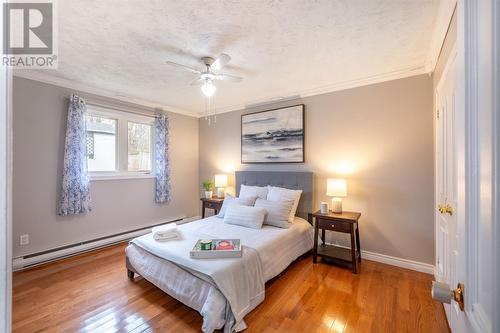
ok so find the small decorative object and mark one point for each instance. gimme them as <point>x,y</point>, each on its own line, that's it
<point>205,244</point>
<point>324,207</point>
<point>220,184</point>
<point>336,188</point>
<point>219,248</point>
<point>225,245</point>
<point>273,136</point>
<point>208,185</point>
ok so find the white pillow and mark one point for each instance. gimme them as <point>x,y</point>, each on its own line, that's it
<point>247,191</point>
<point>229,199</point>
<point>282,194</point>
<point>250,217</point>
<point>278,212</point>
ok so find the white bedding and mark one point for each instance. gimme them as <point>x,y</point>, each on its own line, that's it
<point>240,280</point>
<point>274,247</point>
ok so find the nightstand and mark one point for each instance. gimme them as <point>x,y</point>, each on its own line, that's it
<point>212,203</point>
<point>345,222</point>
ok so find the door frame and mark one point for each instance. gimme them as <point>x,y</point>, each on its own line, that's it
<point>5,194</point>
<point>475,24</point>
<point>496,162</point>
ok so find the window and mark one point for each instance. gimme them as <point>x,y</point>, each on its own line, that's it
<point>101,143</point>
<point>139,147</point>
<point>119,144</point>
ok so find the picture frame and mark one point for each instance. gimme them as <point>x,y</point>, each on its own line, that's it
<point>273,136</point>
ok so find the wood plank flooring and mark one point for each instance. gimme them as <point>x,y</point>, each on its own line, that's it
<point>91,293</point>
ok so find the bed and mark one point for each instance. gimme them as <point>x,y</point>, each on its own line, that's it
<point>223,291</point>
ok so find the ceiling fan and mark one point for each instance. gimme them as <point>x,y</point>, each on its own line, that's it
<point>211,73</point>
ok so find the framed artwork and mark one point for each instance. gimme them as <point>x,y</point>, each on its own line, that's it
<point>273,136</point>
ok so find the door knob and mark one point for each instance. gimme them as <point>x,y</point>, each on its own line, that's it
<point>445,209</point>
<point>448,209</point>
<point>441,292</point>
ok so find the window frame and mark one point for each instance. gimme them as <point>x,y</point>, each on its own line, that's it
<point>121,144</point>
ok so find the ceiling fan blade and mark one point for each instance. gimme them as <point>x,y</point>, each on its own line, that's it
<point>220,62</point>
<point>197,82</point>
<point>227,77</point>
<point>191,69</point>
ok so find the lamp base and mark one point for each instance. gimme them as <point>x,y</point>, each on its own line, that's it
<point>220,192</point>
<point>337,205</point>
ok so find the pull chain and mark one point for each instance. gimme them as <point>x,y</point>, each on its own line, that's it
<point>210,109</point>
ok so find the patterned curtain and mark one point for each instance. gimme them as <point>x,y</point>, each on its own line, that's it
<point>162,161</point>
<point>75,194</point>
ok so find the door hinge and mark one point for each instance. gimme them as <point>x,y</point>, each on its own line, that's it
<point>437,113</point>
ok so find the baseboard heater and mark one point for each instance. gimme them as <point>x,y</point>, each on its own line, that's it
<point>43,257</point>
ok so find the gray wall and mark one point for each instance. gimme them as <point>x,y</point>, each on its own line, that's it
<point>379,138</point>
<point>118,205</point>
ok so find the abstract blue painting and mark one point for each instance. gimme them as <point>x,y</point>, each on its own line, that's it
<point>273,136</point>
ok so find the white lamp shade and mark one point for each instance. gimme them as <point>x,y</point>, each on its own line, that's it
<point>336,187</point>
<point>220,180</point>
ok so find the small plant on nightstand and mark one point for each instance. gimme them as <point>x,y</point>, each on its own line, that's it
<point>208,186</point>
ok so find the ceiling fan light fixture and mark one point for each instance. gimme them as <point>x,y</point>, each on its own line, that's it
<point>208,88</point>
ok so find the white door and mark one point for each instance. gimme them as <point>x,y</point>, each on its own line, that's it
<point>466,141</point>
<point>447,238</point>
<point>450,219</point>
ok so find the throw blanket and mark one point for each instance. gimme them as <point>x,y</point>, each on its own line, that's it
<point>240,280</point>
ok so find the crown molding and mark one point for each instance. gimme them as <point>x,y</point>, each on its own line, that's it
<point>445,14</point>
<point>84,88</point>
<point>344,85</point>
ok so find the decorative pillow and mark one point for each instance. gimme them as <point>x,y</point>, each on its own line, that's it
<point>229,199</point>
<point>250,217</point>
<point>282,194</point>
<point>278,212</point>
<point>247,191</point>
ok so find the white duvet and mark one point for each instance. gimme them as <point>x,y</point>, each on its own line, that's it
<point>222,290</point>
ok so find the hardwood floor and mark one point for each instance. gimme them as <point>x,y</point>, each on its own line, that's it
<point>91,293</point>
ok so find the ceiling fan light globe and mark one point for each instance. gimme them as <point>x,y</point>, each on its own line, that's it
<point>208,88</point>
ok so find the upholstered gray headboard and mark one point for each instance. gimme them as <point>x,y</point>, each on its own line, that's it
<point>287,179</point>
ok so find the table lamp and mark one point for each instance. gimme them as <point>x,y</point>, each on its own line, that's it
<point>220,184</point>
<point>336,188</point>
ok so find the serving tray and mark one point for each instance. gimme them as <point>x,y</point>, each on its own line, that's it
<point>217,250</point>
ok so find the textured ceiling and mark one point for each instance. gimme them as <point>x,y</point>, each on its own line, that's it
<point>281,48</point>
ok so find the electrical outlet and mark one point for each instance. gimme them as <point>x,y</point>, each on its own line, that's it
<point>24,239</point>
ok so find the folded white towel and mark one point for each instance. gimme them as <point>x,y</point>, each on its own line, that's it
<point>166,232</point>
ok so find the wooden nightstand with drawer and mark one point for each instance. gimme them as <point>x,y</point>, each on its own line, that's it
<point>345,222</point>
<point>212,203</point>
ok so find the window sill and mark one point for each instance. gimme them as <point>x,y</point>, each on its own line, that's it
<point>120,176</point>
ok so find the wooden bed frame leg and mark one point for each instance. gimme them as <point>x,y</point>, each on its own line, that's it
<point>130,269</point>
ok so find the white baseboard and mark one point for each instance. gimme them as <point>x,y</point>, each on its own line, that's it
<point>395,261</point>
<point>399,262</point>
<point>30,260</point>
<point>27,261</point>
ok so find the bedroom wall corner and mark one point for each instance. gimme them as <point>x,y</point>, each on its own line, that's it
<point>39,121</point>
<point>378,137</point>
